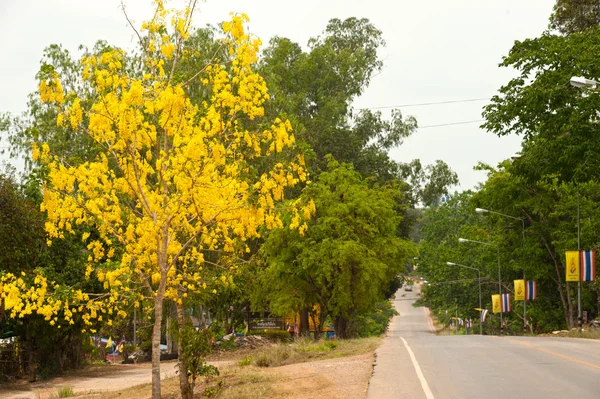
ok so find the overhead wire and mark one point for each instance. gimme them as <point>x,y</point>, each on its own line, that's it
<point>427,104</point>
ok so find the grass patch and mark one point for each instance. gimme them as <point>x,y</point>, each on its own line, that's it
<point>245,383</point>
<point>64,392</point>
<point>589,333</point>
<point>307,349</point>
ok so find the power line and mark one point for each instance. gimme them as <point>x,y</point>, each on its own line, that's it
<point>426,104</point>
<point>451,124</point>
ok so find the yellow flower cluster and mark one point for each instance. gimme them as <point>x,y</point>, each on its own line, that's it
<point>51,90</point>
<point>22,298</point>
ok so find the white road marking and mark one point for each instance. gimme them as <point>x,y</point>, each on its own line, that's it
<point>422,379</point>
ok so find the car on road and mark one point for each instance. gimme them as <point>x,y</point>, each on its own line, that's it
<point>408,287</point>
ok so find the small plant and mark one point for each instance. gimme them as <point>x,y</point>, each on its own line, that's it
<point>246,361</point>
<point>196,346</point>
<point>228,344</point>
<point>65,392</point>
<point>212,391</point>
<point>263,360</point>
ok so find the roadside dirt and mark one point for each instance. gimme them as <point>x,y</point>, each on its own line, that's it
<point>101,378</point>
<point>343,377</point>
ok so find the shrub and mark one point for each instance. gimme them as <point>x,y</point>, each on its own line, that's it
<point>65,392</point>
<point>246,361</point>
<point>273,335</point>
<point>373,323</point>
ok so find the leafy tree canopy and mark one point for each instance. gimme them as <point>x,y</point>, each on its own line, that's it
<point>570,16</point>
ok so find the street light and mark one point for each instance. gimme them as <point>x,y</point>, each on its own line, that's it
<point>581,83</point>
<point>499,278</point>
<point>522,220</point>
<point>479,278</point>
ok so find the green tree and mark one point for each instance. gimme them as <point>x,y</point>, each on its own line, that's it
<point>428,184</point>
<point>557,123</point>
<point>316,89</point>
<point>346,258</point>
<point>570,16</point>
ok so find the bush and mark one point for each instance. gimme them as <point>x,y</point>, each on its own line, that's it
<point>272,335</point>
<point>246,361</point>
<point>373,323</point>
<point>274,357</point>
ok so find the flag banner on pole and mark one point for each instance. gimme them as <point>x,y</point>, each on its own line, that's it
<point>506,303</point>
<point>587,265</point>
<point>469,323</point>
<point>530,290</point>
<point>496,303</point>
<point>572,266</point>
<point>484,313</point>
<point>519,290</point>
<point>461,321</point>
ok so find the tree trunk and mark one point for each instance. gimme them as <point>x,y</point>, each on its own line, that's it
<point>304,324</point>
<point>156,329</point>
<point>184,384</point>
<point>31,359</point>
<point>341,327</point>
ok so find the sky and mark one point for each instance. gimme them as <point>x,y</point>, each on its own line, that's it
<point>437,51</point>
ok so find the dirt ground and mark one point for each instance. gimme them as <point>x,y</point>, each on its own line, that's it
<point>343,377</point>
<point>93,378</point>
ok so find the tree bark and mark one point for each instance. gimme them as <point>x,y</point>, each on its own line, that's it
<point>304,324</point>
<point>185,388</point>
<point>341,327</point>
<point>156,329</point>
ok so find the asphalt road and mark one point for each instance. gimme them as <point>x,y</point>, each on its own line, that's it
<point>414,363</point>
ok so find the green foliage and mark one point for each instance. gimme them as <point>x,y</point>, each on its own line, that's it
<point>315,89</point>
<point>246,361</point>
<point>428,184</point>
<point>559,125</point>
<point>65,392</point>
<point>347,257</point>
<point>228,344</point>
<point>575,15</point>
<point>375,322</point>
<point>197,344</point>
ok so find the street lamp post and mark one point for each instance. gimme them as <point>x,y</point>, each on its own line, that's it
<point>499,278</point>
<point>581,83</point>
<point>479,279</point>
<point>480,210</point>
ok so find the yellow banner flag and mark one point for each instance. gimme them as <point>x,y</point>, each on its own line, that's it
<point>519,290</point>
<point>572,266</point>
<point>496,308</point>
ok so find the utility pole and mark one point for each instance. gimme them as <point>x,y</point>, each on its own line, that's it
<point>579,281</point>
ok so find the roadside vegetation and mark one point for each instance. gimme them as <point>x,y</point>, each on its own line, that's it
<point>529,204</point>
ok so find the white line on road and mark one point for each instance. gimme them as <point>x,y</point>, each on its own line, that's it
<point>422,379</point>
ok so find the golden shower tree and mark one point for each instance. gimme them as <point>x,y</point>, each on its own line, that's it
<point>171,179</point>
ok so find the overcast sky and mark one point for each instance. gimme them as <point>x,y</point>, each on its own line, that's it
<point>437,50</point>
